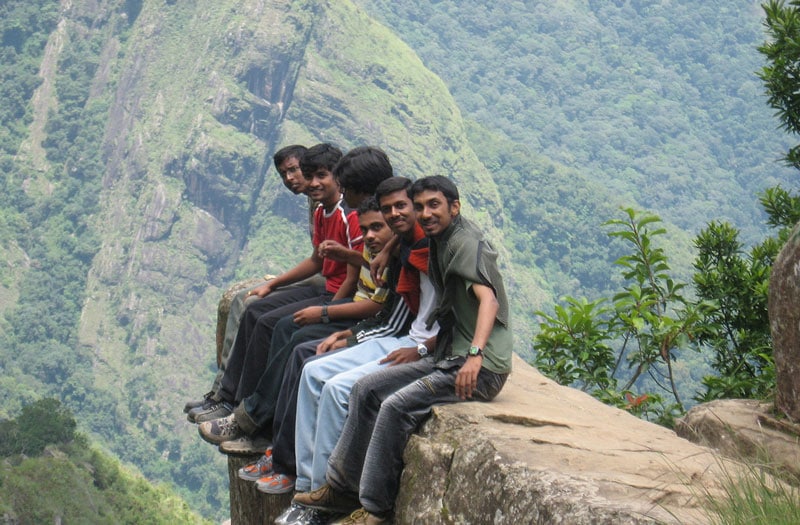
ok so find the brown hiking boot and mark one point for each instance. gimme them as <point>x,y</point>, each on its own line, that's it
<point>361,517</point>
<point>329,499</point>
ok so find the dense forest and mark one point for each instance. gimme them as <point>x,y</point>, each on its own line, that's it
<point>135,147</point>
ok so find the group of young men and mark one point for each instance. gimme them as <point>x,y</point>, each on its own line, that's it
<point>329,376</point>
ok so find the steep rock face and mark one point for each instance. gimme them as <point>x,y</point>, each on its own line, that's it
<point>784,321</point>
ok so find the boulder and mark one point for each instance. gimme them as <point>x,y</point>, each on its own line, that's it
<point>746,428</point>
<point>224,307</point>
<point>784,321</point>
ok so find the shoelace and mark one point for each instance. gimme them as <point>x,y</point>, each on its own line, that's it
<point>356,516</point>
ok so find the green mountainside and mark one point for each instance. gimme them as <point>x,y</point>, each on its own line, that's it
<point>137,185</point>
<point>50,474</point>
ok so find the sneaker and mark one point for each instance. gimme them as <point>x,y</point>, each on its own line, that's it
<point>259,469</point>
<point>361,517</point>
<point>276,484</point>
<point>197,402</point>
<point>245,446</point>
<point>218,430</point>
<point>215,410</point>
<point>329,499</point>
<point>292,515</point>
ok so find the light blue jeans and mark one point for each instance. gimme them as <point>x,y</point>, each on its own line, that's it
<point>322,403</point>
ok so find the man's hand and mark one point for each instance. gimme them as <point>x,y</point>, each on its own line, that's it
<point>261,291</point>
<point>308,315</point>
<point>378,266</point>
<point>401,355</point>
<point>467,378</point>
<point>332,342</point>
<point>333,250</point>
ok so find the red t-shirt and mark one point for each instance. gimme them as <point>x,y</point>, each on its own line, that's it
<point>340,225</point>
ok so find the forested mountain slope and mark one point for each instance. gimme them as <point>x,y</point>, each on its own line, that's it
<point>136,145</point>
<point>656,102</point>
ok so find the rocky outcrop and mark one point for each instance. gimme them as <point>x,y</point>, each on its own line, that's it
<point>784,321</point>
<point>746,428</point>
<point>545,453</point>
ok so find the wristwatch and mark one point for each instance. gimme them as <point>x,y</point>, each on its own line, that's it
<point>475,350</point>
<point>422,350</point>
<point>324,316</point>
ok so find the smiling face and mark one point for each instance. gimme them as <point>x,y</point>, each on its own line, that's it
<point>398,212</point>
<point>323,188</point>
<point>375,231</point>
<point>434,213</point>
<point>292,177</point>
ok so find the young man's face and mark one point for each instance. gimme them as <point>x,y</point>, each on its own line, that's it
<point>292,177</point>
<point>398,212</point>
<point>375,231</point>
<point>433,211</point>
<point>322,187</point>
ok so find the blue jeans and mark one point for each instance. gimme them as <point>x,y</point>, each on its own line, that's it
<point>386,407</point>
<point>322,402</point>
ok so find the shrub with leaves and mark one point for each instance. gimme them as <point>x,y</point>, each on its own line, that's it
<point>593,346</point>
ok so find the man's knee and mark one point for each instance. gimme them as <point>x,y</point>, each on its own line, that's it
<point>337,392</point>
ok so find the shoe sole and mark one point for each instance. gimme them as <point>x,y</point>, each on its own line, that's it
<point>269,490</point>
<point>253,477</point>
<point>342,509</point>
<point>256,448</point>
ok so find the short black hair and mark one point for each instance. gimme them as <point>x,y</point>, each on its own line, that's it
<point>319,156</point>
<point>361,169</point>
<point>436,183</point>
<point>295,150</point>
<point>392,185</point>
<point>368,204</point>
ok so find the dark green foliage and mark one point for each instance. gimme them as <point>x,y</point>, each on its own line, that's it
<point>43,454</point>
<point>552,215</point>
<point>738,328</point>
<point>783,210</point>
<point>737,282</point>
<point>782,71</point>
<point>44,422</point>
<point>573,346</point>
